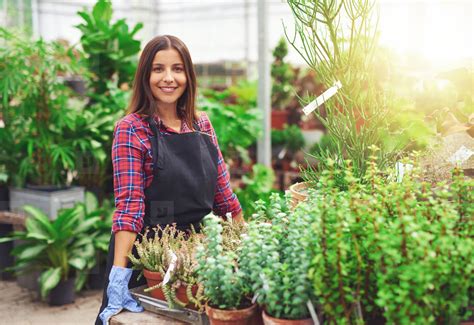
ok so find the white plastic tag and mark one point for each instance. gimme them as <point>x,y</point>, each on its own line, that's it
<point>255,297</point>
<point>401,168</point>
<point>228,215</point>
<point>322,98</point>
<point>170,270</point>
<point>2,124</point>
<point>460,156</point>
<point>312,311</point>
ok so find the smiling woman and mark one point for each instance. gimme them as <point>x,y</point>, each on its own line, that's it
<point>168,168</point>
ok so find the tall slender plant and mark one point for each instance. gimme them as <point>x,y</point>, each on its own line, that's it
<point>338,39</point>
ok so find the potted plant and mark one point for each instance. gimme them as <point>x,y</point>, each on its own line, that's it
<point>282,77</point>
<point>227,292</point>
<point>275,259</point>
<point>93,273</point>
<point>40,148</point>
<point>389,252</point>
<point>167,258</point>
<point>59,249</point>
<point>109,52</point>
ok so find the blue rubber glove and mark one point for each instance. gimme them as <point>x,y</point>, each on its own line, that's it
<point>118,295</point>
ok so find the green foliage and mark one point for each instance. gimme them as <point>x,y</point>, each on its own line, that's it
<point>170,250</point>
<point>257,186</point>
<point>225,285</point>
<point>237,126</point>
<point>39,117</point>
<point>291,137</point>
<point>275,259</point>
<point>110,49</point>
<point>246,93</point>
<point>401,250</point>
<point>282,76</point>
<point>357,113</point>
<point>57,247</point>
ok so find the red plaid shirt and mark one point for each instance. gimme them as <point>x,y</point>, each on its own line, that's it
<point>133,171</point>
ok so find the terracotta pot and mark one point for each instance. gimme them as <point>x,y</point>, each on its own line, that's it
<point>154,278</point>
<point>250,316</point>
<point>269,320</point>
<point>279,119</point>
<point>298,193</point>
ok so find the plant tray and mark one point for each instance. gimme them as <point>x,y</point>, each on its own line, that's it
<point>160,307</point>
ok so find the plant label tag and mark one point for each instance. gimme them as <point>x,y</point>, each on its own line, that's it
<point>170,270</point>
<point>255,297</point>
<point>401,168</point>
<point>462,155</point>
<point>228,215</point>
<point>308,109</point>
<point>312,311</point>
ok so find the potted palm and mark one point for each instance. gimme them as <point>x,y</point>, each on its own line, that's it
<point>58,249</point>
<point>227,292</point>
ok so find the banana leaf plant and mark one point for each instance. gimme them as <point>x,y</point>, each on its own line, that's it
<point>59,249</point>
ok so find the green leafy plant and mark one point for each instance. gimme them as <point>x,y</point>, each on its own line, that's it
<point>99,233</point>
<point>290,137</point>
<point>387,251</point>
<point>156,253</point>
<point>275,259</point>
<point>58,248</point>
<point>237,126</point>
<point>257,186</point>
<point>357,113</point>
<point>225,285</point>
<point>110,48</point>
<point>282,76</point>
<point>37,111</point>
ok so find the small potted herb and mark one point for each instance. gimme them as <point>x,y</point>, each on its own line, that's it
<point>275,260</point>
<point>167,257</point>
<point>226,289</point>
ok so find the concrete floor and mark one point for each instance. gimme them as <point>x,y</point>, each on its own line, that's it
<point>20,306</point>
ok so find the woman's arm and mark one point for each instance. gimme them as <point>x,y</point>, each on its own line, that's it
<point>127,159</point>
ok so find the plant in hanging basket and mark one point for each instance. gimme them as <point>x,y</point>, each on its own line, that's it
<point>226,289</point>
<point>167,257</point>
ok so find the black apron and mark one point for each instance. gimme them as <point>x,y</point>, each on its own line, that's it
<point>182,190</point>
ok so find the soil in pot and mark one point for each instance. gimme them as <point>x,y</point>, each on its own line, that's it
<point>249,316</point>
<point>154,278</point>
<point>63,293</point>
<point>269,320</point>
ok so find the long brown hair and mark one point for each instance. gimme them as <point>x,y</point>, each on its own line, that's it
<point>142,101</point>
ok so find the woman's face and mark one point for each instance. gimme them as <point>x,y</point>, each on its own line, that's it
<point>168,77</point>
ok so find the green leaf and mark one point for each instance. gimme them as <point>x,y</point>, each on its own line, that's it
<point>87,225</point>
<point>30,252</point>
<point>91,202</point>
<point>48,280</point>
<point>78,263</point>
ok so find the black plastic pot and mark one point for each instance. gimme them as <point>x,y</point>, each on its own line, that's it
<point>63,293</point>
<point>4,198</point>
<point>6,259</point>
<point>96,277</point>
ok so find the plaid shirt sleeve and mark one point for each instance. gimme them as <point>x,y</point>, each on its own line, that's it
<point>224,200</point>
<point>129,178</point>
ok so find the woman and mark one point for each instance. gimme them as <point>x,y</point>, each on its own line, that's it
<point>167,164</point>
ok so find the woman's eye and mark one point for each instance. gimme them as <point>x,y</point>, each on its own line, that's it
<point>157,69</point>
<point>178,69</point>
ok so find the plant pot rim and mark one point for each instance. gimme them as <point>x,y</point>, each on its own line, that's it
<point>225,314</point>
<point>154,275</point>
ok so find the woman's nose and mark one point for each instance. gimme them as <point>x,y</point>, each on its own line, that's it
<point>168,76</point>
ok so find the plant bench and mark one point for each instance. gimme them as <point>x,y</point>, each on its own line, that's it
<point>128,318</point>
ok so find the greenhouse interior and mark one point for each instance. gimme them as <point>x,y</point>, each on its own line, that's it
<point>231,162</point>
